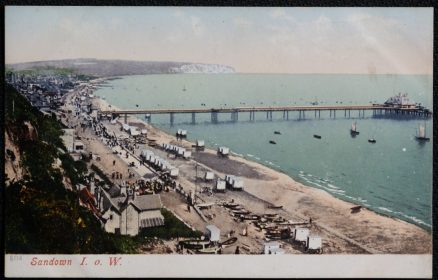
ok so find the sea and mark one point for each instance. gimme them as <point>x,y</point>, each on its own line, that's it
<point>392,177</point>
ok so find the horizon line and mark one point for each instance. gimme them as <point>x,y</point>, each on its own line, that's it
<point>236,72</point>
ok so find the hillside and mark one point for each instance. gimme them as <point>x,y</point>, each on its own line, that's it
<point>42,209</point>
<point>42,214</point>
<point>107,68</point>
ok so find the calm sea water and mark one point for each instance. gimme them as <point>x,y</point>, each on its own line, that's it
<point>392,177</point>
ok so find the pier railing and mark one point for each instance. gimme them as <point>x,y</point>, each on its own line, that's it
<point>377,110</point>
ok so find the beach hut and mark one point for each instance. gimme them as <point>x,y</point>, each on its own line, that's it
<point>187,154</point>
<point>133,131</point>
<point>174,171</point>
<point>229,180</point>
<point>314,244</point>
<point>125,127</point>
<point>181,133</point>
<point>220,185</point>
<point>223,151</point>
<point>181,151</point>
<point>213,233</point>
<point>237,183</point>
<point>151,159</point>
<point>209,176</point>
<point>146,155</point>
<point>301,234</point>
<point>200,145</point>
<point>273,248</point>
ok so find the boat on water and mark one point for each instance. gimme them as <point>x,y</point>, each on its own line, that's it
<point>272,142</point>
<point>421,134</point>
<point>277,132</point>
<point>317,136</point>
<point>184,88</point>
<point>372,140</point>
<point>353,130</point>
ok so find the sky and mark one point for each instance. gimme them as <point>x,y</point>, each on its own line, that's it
<point>250,39</point>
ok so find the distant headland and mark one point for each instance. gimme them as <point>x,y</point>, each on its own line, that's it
<point>108,68</point>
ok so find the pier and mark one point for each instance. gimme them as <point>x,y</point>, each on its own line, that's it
<point>347,111</point>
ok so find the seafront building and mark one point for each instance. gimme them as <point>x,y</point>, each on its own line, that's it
<point>124,212</point>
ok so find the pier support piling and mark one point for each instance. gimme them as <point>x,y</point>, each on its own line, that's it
<point>251,115</point>
<point>172,118</point>
<point>214,118</point>
<point>193,118</point>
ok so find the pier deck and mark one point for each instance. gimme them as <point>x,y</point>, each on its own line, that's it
<point>377,110</point>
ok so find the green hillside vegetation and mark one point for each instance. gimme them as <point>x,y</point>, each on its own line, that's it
<point>42,216</point>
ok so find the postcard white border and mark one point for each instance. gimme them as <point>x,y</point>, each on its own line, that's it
<point>224,266</point>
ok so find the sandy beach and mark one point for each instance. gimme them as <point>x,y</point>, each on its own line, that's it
<point>342,232</point>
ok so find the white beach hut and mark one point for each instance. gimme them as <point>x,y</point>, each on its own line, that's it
<point>220,185</point>
<point>223,151</point>
<point>213,233</point>
<point>301,234</point>
<point>273,248</point>
<point>237,183</point>
<point>209,176</point>
<point>200,144</point>
<point>174,172</point>
<point>314,244</point>
<point>187,155</point>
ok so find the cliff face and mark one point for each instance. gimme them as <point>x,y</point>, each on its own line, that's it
<point>13,161</point>
<point>203,68</point>
<point>13,170</point>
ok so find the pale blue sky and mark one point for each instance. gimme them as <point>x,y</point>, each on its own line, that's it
<point>262,40</point>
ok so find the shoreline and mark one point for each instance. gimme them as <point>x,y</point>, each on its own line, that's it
<point>328,212</point>
<point>140,122</point>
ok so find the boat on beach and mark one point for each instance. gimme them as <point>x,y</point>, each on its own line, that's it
<point>210,250</point>
<point>421,134</point>
<point>275,206</point>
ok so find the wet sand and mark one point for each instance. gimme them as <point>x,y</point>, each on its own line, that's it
<point>342,231</point>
